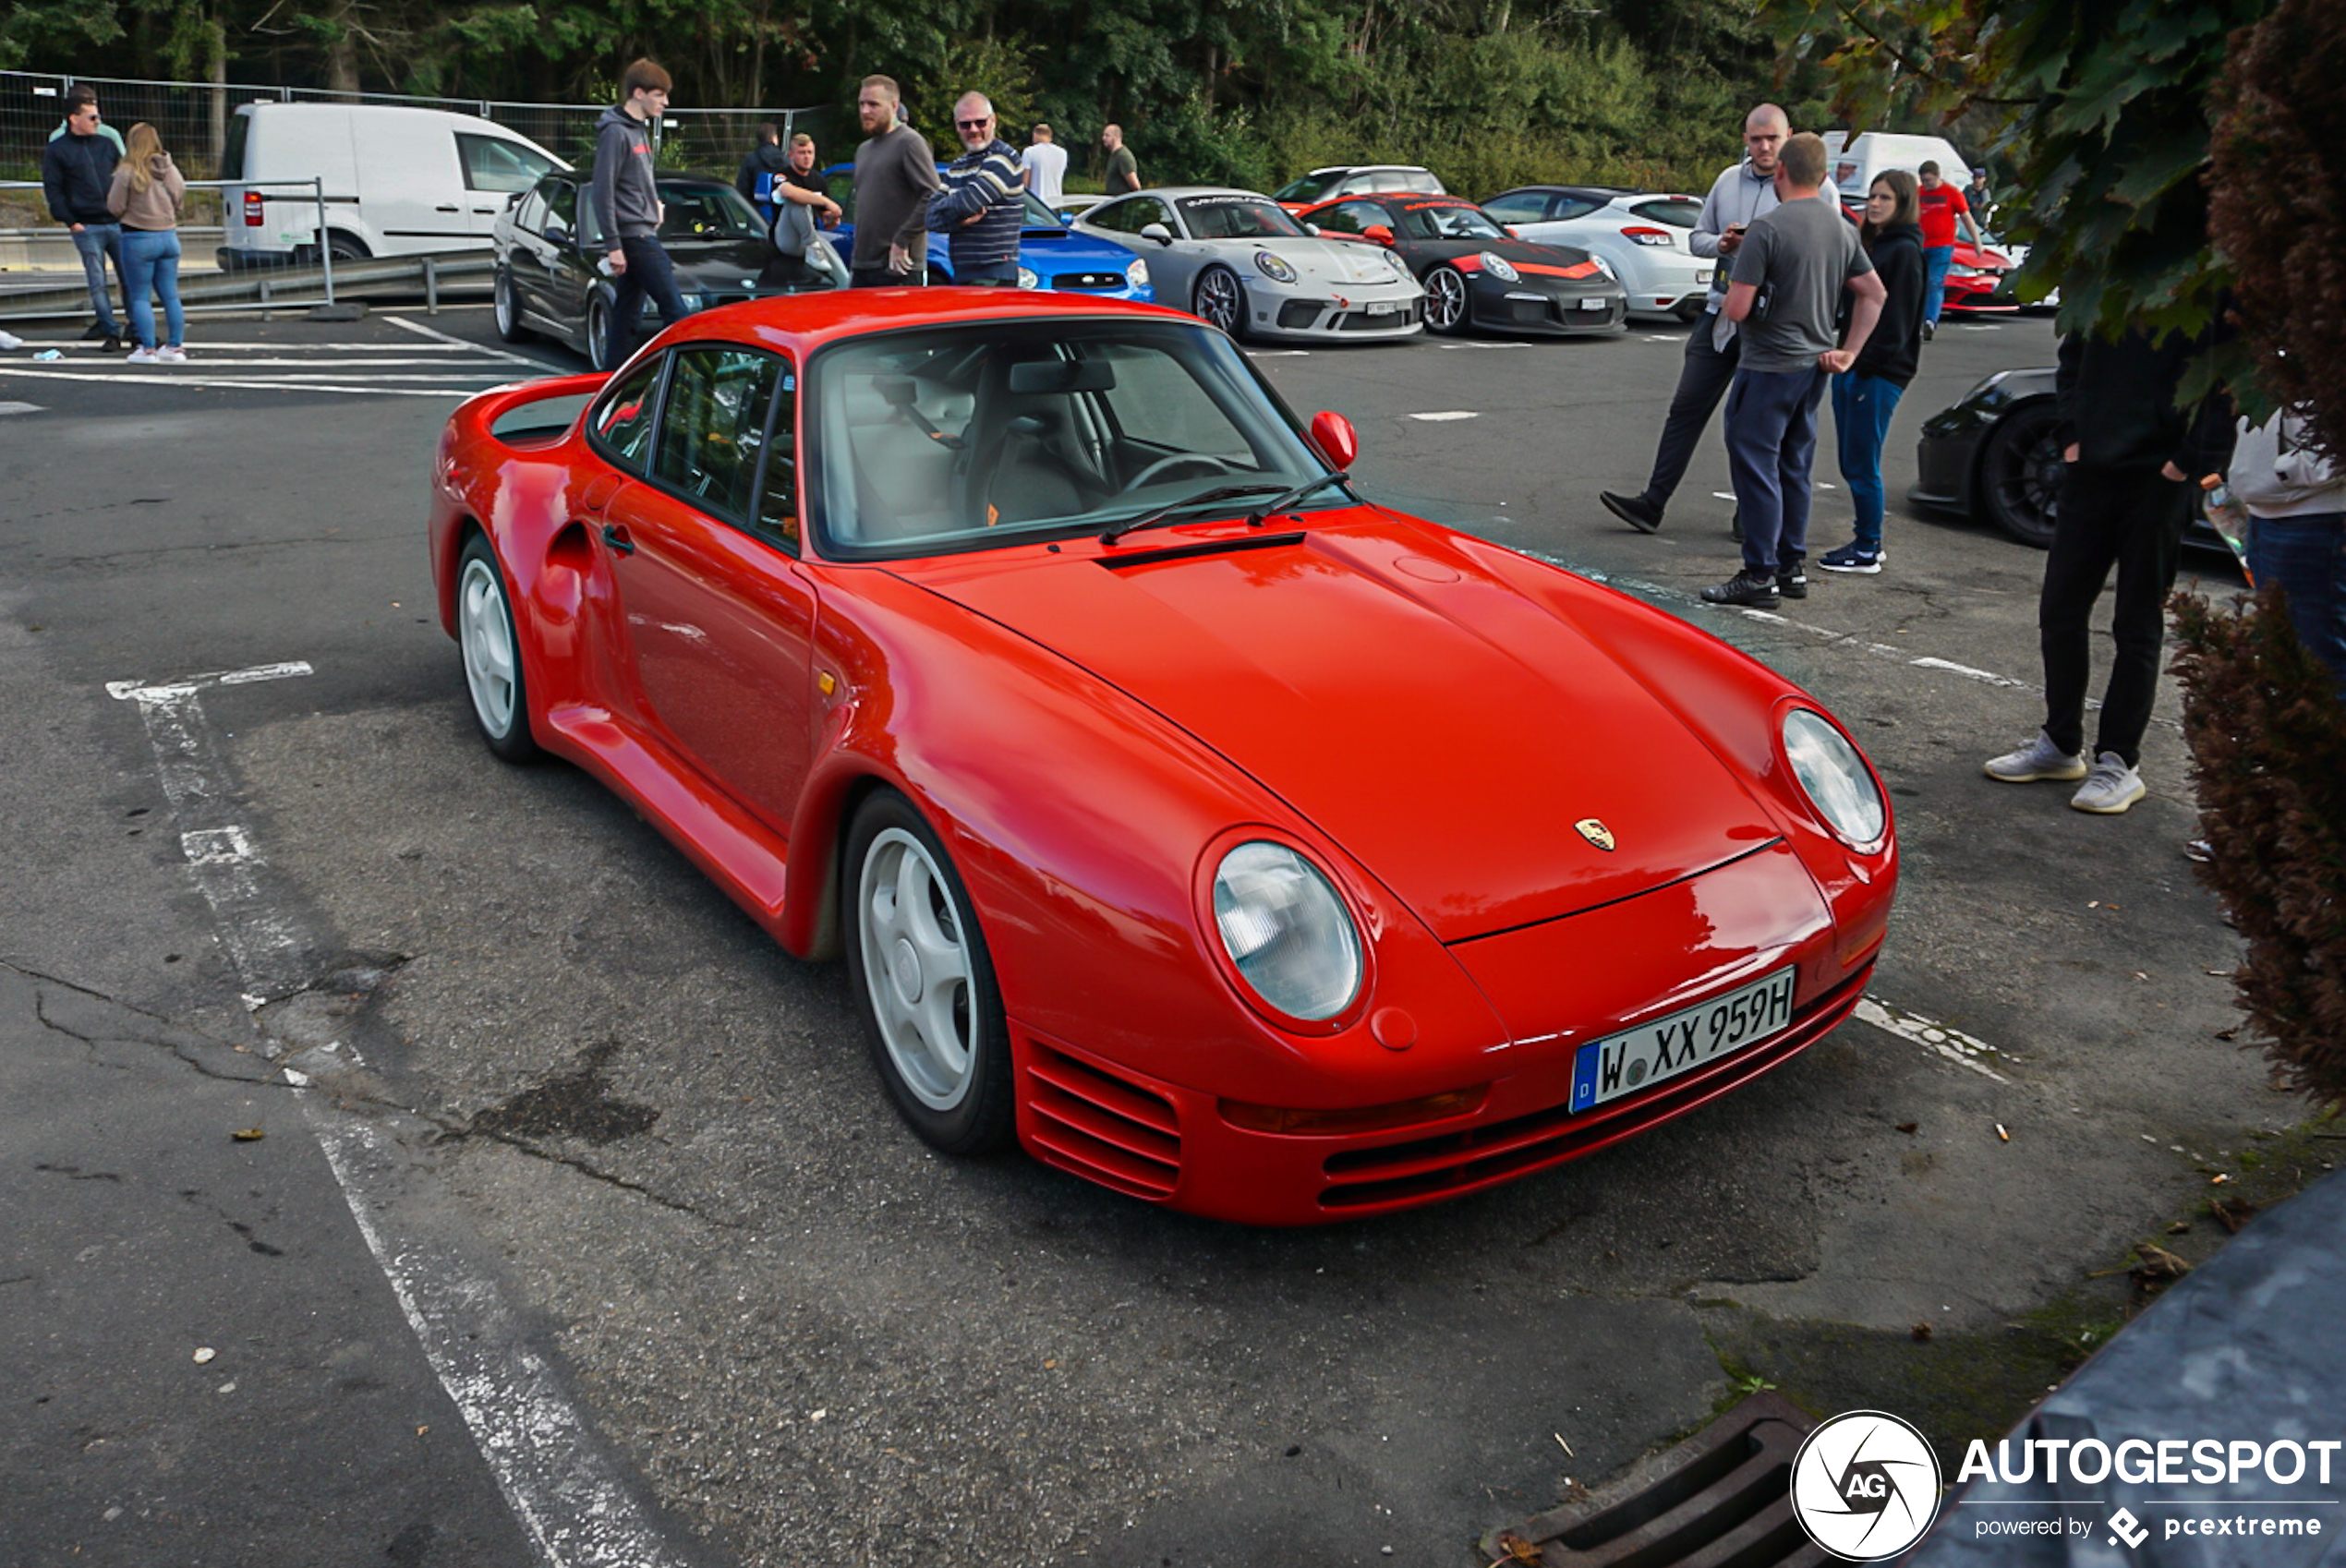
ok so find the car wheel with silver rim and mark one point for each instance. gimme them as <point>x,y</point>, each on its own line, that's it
<point>493,674</point>
<point>1220,302</point>
<point>1446,299</point>
<point>599,349</point>
<point>924,982</point>
<point>507,307</point>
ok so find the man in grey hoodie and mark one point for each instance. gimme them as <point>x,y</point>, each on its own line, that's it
<point>1742,193</point>
<point>627,206</point>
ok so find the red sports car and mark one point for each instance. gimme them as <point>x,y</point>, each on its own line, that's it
<point>1222,837</point>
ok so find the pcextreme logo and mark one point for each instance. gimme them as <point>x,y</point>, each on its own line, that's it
<point>1865,1486</point>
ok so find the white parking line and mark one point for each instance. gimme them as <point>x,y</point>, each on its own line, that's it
<point>19,408</point>
<point>1448,415</point>
<point>1941,1039</point>
<point>570,1500</point>
<point>184,381</point>
<point>421,330</point>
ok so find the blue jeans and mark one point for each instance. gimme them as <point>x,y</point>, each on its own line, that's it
<point>1771,451</point>
<point>150,261</point>
<point>96,241</point>
<point>1936,259</point>
<point>2306,558</point>
<point>1861,409</point>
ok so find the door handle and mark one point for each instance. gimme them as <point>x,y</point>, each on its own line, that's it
<point>447,207</point>
<point>617,538</point>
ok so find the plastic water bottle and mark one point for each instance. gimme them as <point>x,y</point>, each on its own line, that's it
<point>2226,516</point>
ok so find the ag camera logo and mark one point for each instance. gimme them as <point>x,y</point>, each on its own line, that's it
<point>1865,1486</point>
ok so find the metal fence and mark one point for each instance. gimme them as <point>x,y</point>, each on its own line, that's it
<point>192,119</point>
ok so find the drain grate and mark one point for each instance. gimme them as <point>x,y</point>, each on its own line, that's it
<point>1721,1498</point>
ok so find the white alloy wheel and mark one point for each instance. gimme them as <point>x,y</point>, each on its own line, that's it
<point>507,309</point>
<point>492,654</point>
<point>917,970</point>
<point>1220,301</point>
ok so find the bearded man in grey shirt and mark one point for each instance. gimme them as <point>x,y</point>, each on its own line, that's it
<point>895,175</point>
<point>1789,274</point>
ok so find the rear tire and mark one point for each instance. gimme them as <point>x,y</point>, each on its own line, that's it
<point>491,644</point>
<point>600,350</point>
<point>923,981</point>
<point>2020,472</point>
<point>507,309</point>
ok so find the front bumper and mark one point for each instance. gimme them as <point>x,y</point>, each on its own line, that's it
<point>1562,312</point>
<point>1372,311</point>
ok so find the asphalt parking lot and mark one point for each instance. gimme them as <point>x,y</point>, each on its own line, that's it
<point>624,1182</point>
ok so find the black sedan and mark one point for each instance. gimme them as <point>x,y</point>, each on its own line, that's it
<point>1995,455</point>
<point>550,253</point>
<point>1476,272</point>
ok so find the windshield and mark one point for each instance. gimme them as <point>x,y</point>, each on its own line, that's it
<point>1039,214</point>
<point>707,212</point>
<point>1312,186</point>
<point>997,432</point>
<point>1237,217</point>
<point>1448,220</point>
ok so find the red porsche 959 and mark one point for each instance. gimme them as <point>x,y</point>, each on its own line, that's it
<point>1217,834</point>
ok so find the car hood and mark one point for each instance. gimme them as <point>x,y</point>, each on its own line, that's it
<point>1319,263</point>
<point>1447,732</point>
<point>1547,259</point>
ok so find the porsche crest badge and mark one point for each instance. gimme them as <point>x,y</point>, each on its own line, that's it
<point>1595,832</point>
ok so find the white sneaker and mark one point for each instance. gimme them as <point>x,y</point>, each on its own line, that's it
<point>2039,759</point>
<point>142,356</point>
<point>10,339</point>
<point>172,354</point>
<point>2109,787</point>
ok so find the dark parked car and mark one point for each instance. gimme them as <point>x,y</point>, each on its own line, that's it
<point>549,254</point>
<point>1476,272</point>
<point>1995,455</point>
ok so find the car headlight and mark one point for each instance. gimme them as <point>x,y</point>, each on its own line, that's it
<point>1026,278</point>
<point>1393,259</point>
<point>1499,266</point>
<point>1137,274</point>
<point>1272,267</point>
<point>1288,932</point>
<point>693,303</point>
<point>1957,270</point>
<point>1606,267</point>
<point>1833,777</point>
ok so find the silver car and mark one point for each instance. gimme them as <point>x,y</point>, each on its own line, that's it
<point>1240,261</point>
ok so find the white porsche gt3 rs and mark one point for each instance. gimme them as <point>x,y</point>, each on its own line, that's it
<point>1238,260</point>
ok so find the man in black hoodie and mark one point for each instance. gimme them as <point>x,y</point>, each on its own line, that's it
<point>627,205</point>
<point>77,169</point>
<point>2130,458</point>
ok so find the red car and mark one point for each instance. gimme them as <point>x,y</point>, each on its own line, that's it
<point>1974,278</point>
<point>1222,837</point>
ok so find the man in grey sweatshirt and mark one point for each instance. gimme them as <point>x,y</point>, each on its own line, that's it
<point>627,206</point>
<point>895,175</point>
<point>1742,193</point>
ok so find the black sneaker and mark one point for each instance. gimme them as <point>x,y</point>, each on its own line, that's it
<point>1636,511</point>
<point>1751,590</point>
<point>112,345</point>
<point>1793,584</point>
<point>97,331</point>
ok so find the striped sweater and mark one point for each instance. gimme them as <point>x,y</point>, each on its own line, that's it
<point>991,182</point>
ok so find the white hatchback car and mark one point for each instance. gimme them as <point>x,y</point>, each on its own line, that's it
<point>1640,235</point>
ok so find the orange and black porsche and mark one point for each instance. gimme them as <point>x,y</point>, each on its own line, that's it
<point>1476,274</point>
<point>1216,834</point>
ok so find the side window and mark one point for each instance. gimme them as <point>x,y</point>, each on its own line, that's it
<point>712,426</point>
<point>1350,217</point>
<point>1149,209</point>
<point>623,424</point>
<point>1516,207</point>
<point>1117,217</point>
<point>494,163</point>
<point>561,211</point>
<point>1675,210</point>
<point>530,216</point>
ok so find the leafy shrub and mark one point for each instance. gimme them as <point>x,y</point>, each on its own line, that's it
<point>2268,738</point>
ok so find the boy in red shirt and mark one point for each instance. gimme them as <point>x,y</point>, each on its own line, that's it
<point>1942,207</point>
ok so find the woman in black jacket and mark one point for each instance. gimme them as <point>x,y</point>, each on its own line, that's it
<point>1865,395</point>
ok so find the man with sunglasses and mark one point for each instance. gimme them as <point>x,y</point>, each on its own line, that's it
<point>895,175</point>
<point>982,205</point>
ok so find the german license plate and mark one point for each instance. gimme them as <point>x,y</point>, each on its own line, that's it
<point>1592,302</point>
<point>1624,1063</point>
<point>1383,307</point>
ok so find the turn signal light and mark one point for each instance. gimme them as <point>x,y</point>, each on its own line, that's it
<point>1363,1118</point>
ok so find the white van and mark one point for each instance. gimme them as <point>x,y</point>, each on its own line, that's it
<point>398,181</point>
<point>1855,162</point>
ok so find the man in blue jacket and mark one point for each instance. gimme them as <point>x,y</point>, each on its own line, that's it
<point>982,205</point>
<point>76,170</point>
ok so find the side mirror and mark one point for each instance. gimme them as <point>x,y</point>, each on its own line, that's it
<point>1156,232</point>
<point>557,234</point>
<point>1378,234</point>
<point>1511,231</point>
<point>1334,435</point>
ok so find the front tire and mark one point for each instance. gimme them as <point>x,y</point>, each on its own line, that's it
<point>924,982</point>
<point>491,646</point>
<point>2020,474</point>
<point>507,309</point>
<point>1445,300</point>
<point>1218,300</point>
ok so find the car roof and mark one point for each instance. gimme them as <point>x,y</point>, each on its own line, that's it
<point>1607,191</point>
<point>580,176</point>
<point>1367,168</point>
<point>799,324</point>
<point>1181,190</point>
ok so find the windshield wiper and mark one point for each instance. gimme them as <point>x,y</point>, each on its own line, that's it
<point>1280,499</point>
